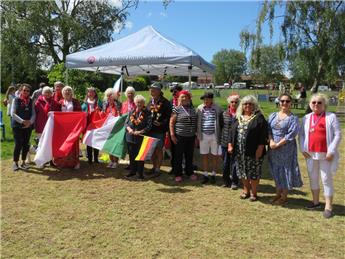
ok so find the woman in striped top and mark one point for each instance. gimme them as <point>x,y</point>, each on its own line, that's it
<point>230,177</point>
<point>183,129</point>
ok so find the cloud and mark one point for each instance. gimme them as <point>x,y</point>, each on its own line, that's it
<point>163,14</point>
<point>116,3</point>
<point>129,25</point>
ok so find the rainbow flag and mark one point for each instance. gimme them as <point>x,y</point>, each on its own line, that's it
<point>147,147</point>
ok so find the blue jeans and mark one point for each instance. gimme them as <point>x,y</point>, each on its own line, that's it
<point>229,168</point>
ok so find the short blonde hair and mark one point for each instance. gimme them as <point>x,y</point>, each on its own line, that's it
<point>323,97</point>
<point>58,83</point>
<point>107,92</point>
<point>67,88</point>
<point>139,98</point>
<point>129,89</point>
<point>248,99</point>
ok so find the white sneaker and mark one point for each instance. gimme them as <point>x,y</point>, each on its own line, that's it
<point>110,165</point>
<point>15,167</point>
<point>24,166</point>
<point>114,165</point>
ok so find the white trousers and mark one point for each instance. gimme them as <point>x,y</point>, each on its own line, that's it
<point>317,168</point>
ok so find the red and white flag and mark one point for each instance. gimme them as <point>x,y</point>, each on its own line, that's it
<point>60,133</point>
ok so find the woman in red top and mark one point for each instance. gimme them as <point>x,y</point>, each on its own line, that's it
<point>44,104</point>
<point>69,104</point>
<point>129,105</point>
<point>319,138</point>
<point>111,106</point>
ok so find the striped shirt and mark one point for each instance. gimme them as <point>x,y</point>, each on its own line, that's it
<point>208,125</point>
<point>185,125</point>
<point>228,121</point>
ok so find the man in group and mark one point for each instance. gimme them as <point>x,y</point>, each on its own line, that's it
<point>209,134</point>
<point>160,109</point>
<point>37,93</point>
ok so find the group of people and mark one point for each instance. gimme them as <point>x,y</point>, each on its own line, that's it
<point>240,134</point>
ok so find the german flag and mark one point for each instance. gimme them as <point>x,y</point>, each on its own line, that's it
<point>147,147</point>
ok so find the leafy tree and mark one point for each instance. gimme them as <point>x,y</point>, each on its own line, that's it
<point>315,25</point>
<point>230,65</point>
<point>267,63</point>
<point>34,32</point>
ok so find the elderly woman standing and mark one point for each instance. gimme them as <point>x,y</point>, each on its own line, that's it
<point>247,141</point>
<point>111,106</point>
<point>319,139</point>
<point>138,123</point>
<point>182,131</point>
<point>69,104</point>
<point>23,117</point>
<point>128,105</point>
<point>282,157</point>
<point>230,177</point>
<point>90,105</point>
<point>44,104</point>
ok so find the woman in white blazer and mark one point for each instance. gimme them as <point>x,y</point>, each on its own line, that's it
<point>319,139</point>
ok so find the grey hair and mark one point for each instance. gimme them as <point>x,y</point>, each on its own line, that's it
<point>107,92</point>
<point>129,89</point>
<point>232,97</point>
<point>323,97</point>
<point>47,89</point>
<point>58,83</point>
<point>248,99</point>
<point>67,87</point>
<point>139,98</point>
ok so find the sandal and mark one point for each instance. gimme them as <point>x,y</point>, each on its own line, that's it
<point>279,202</point>
<point>253,198</point>
<point>244,195</point>
<point>276,198</point>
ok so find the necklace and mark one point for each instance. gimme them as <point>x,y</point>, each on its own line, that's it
<point>155,108</point>
<point>314,123</point>
<point>277,124</point>
<point>139,119</point>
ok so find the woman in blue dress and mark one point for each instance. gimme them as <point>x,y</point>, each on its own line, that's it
<point>282,156</point>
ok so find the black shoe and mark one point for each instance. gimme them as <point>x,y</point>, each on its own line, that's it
<point>141,178</point>
<point>205,180</point>
<point>213,179</point>
<point>89,162</point>
<point>127,167</point>
<point>313,206</point>
<point>131,174</point>
<point>96,161</point>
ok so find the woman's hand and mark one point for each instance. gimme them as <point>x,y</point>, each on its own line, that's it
<point>26,124</point>
<point>173,139</point>
<point>230,148</point>
<point>259,151</point>
<point>273,145</point>
<point>306,155</point>
<point>329,157</point>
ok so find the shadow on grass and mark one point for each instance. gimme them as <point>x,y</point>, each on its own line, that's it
<point>266,188</point>
<point>301,203</point>
<point>173,190</point>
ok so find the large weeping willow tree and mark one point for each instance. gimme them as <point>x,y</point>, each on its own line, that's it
<point>313,32</point>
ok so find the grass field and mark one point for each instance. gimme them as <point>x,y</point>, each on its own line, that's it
<point>96,213</point>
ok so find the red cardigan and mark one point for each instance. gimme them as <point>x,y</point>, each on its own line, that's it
<point>42,108</point>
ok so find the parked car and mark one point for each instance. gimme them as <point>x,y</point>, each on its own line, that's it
<point>239,85</point>
<point>323,88</point>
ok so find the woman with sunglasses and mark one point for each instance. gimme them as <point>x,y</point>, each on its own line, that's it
<point>23,117</point>
<point>319,140</point>
<point>247,142</point>
<point>230,177</point>
<point>282,156</point>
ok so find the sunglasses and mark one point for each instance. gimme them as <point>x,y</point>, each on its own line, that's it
<point>247,104</point>
<point>24,90</point>
<point>285,101</point>
<point>316,102</point>
<point>234,102</point>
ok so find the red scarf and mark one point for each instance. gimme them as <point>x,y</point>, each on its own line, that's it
<point>25,100</point>
<point>58,96</point>
<point>231,111</point>
<point>112,109</point>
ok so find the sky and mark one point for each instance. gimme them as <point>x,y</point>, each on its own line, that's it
<point>204,26</point>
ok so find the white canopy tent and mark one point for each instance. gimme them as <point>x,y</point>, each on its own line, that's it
<point>143,52</point>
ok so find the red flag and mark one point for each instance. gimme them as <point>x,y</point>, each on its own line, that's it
<point>67,128</point>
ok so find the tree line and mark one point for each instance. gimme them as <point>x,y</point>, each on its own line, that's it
<point>38,35</point>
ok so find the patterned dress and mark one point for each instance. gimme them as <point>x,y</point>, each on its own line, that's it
<point>283,161</point>
<point>247,167</point>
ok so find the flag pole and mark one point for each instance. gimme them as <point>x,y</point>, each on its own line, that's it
<point>122,73</point>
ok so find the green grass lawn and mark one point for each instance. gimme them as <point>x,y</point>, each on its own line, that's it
<point>96,213</point>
